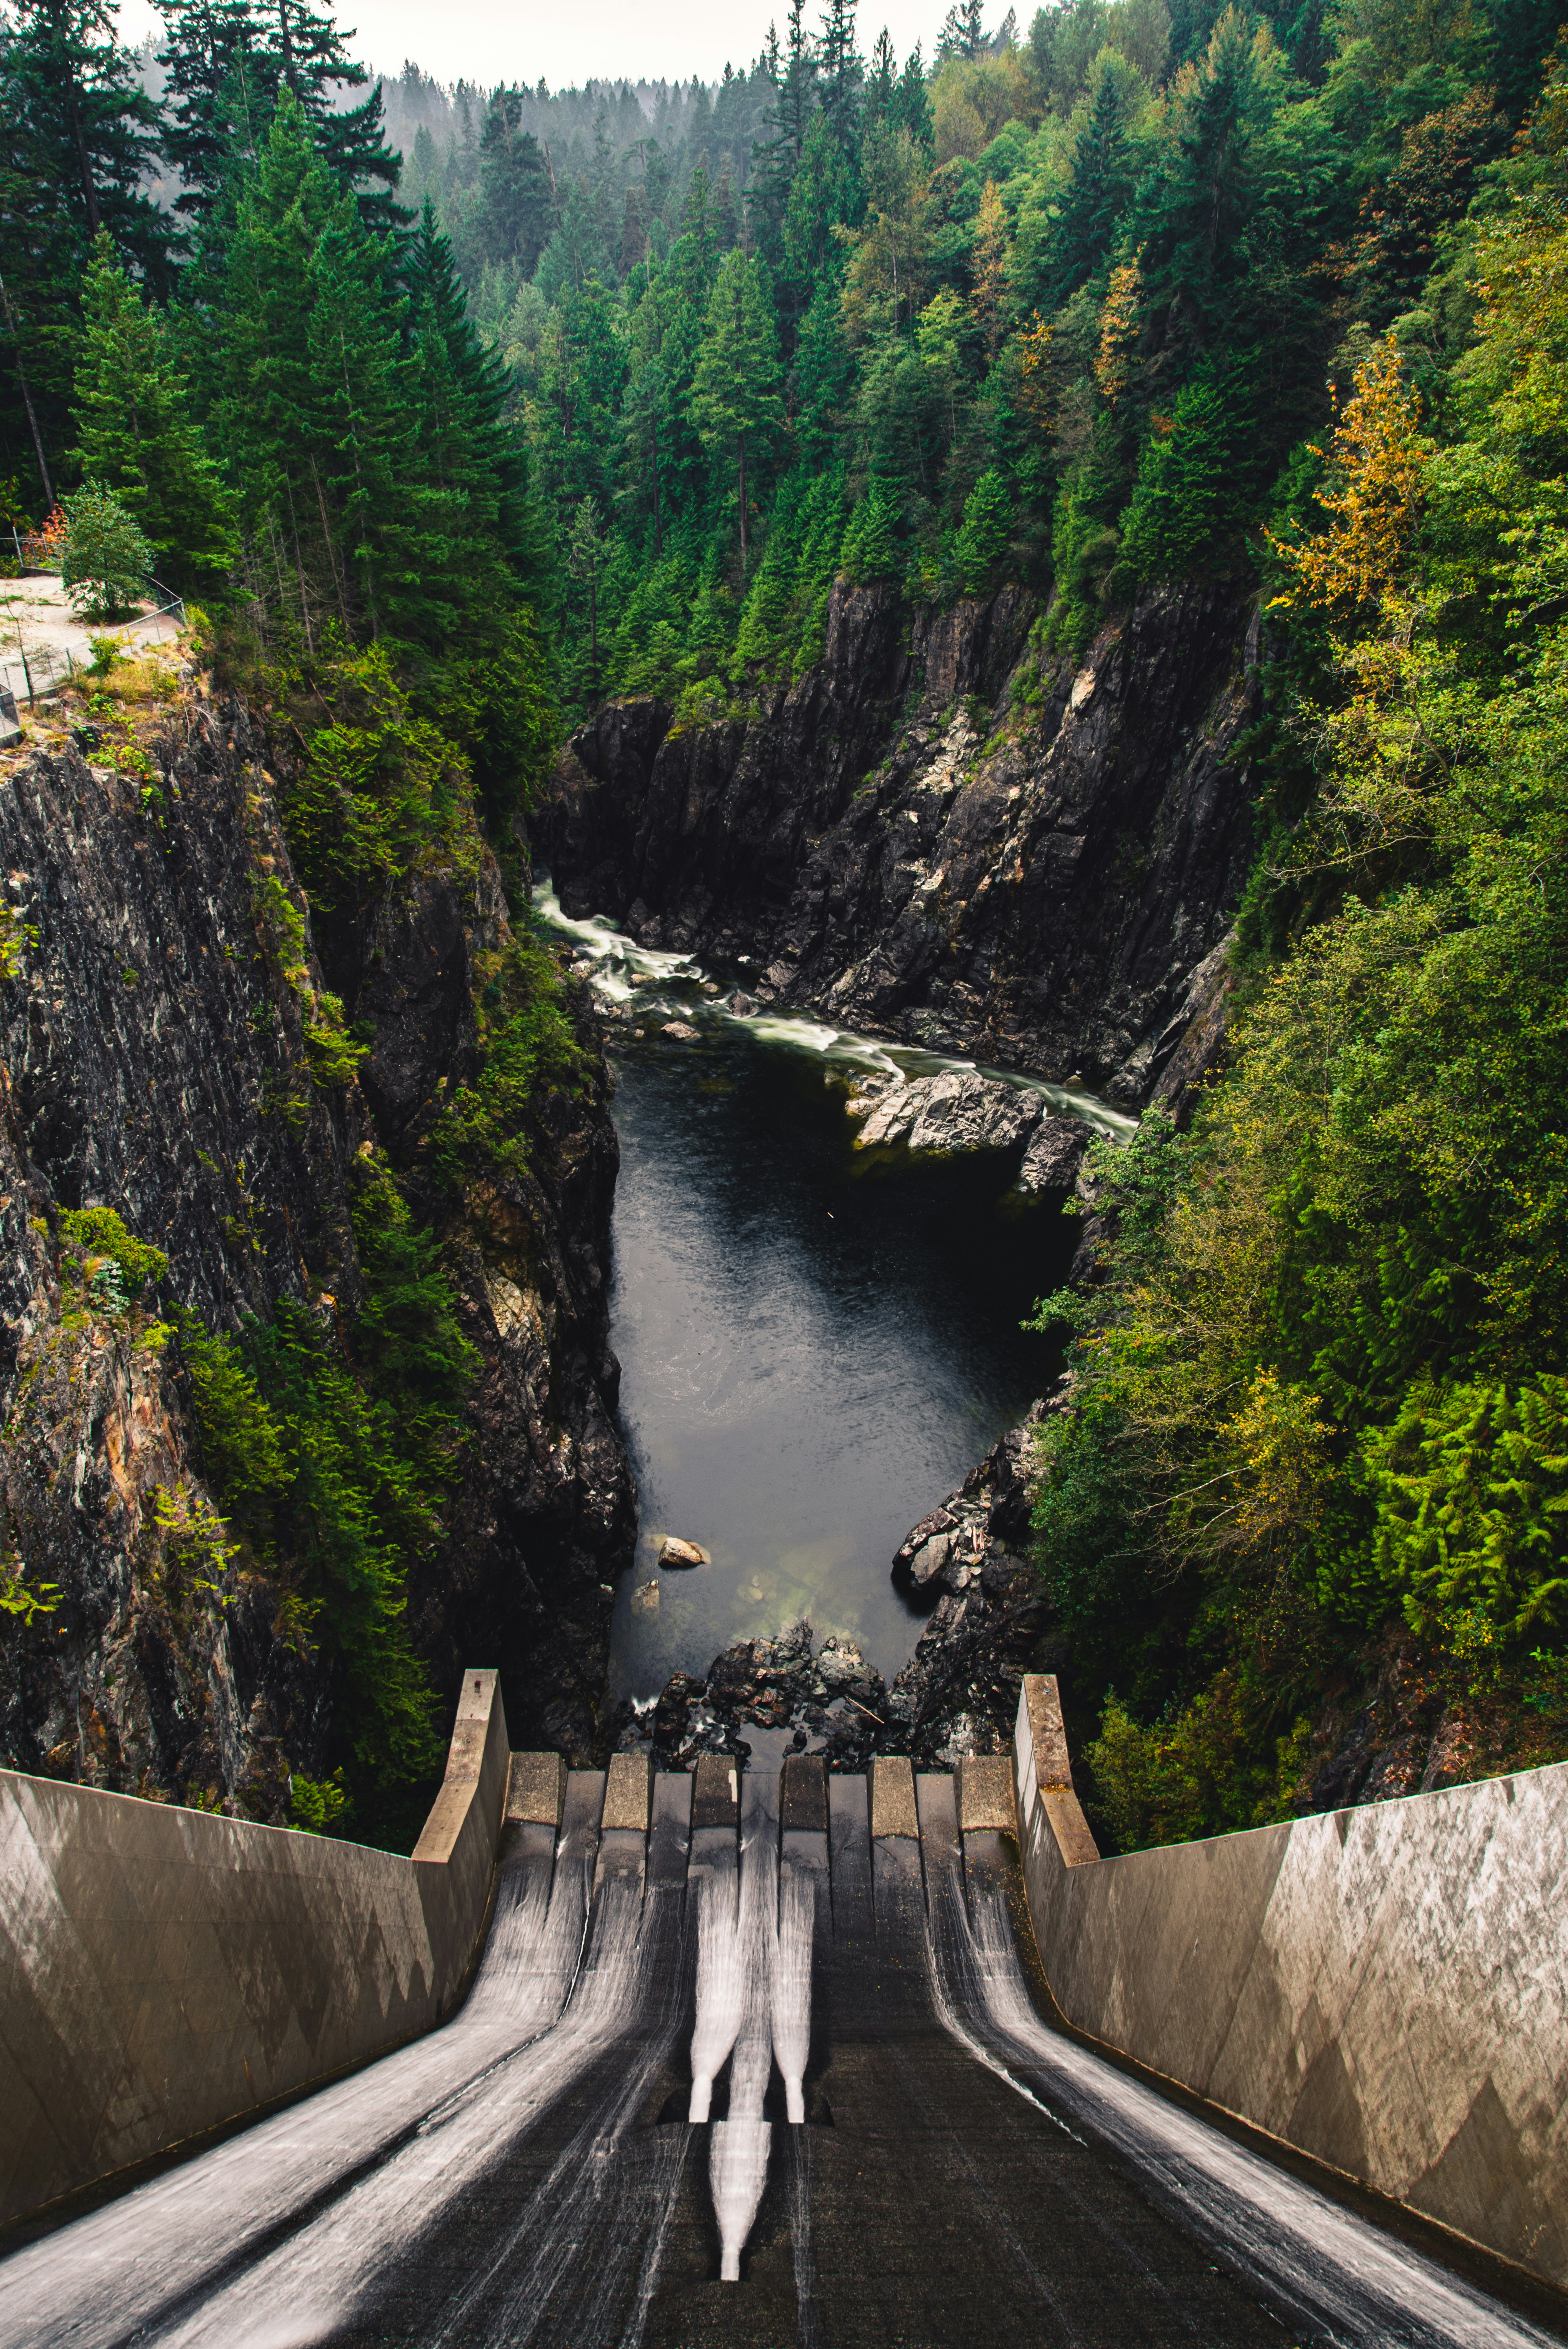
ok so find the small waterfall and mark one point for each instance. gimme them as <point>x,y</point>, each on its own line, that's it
<point>138,2266</point>
<point>738,2172</point>
<point>322,2273</point>
<point>609,2187</point>
<point>721,1988</point>
<point>1342,2278</point>
<point>738,2155</point>
<point>792,1986</point>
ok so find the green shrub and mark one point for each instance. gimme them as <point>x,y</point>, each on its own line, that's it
<point>115,1259</point>
<point>319,1805</point>
<point>106,558</point>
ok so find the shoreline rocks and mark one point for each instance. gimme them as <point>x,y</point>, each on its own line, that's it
<point>958,1693</point>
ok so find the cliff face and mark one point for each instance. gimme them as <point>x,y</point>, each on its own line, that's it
<point>155,1062</point>
<point>948,836</point>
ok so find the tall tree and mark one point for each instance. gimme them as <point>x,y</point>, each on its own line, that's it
<point>227,60</point>
<point>737,398</point>
<point>84,125</point>
<point>136,430</point>
<point>519,209</point>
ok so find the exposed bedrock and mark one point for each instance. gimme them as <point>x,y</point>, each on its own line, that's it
<point>945,835</point>
<point>154,1062</point>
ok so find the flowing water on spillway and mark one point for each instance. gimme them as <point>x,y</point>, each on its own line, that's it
<point>753,2085</point>
<point>816,1343</point>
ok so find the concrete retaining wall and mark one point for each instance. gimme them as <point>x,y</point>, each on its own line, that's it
<point>1384,1987</point>
<point>162,1970</point>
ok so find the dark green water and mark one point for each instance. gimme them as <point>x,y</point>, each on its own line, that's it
<point>816,1343</point>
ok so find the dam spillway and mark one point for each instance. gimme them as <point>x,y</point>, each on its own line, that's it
<point>752,1946</point>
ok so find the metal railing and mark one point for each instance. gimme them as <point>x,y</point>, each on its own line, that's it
<point>40,668</point>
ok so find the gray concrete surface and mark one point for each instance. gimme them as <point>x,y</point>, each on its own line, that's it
<point>1384,1987</point>
<point>164,1970</point>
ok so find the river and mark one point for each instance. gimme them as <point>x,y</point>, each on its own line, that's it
<point>816,1343</point>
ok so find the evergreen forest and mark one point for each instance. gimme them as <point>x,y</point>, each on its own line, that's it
<point>561,398</point>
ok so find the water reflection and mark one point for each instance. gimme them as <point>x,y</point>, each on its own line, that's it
<point>815,1344</point>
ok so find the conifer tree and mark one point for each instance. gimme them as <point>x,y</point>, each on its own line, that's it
<point>136,430</point>
<point>360,420</point>
<point>227,61</point>
<point>1095,198</point>
<point>987,526</point>
<point>81,133</point>
<point>735,400</point>
<point>519,207</point>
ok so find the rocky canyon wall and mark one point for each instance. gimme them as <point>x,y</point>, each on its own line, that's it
<point>947,834</point>
<point>154,1061</point>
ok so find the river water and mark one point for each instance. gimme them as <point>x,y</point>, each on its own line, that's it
<point>816,1343</point>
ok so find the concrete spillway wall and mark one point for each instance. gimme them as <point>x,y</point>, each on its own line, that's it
<point>1384,1989</point>
<point>163,1970</point>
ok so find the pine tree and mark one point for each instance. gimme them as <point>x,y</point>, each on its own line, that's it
<point>227,63</point>
<point>842,71</point>
<point>912,101</point>
<point>262,372</point>
<point>519,210</point>
<point>1186,496</point>
<point>136,432</point>
<point>80,131</point>
<point>1095,197</point>
<point>360,416</point>
<point>470,430</point>
<point>987,526</point>
<point>962,34</point>
<point>736,402</point>
<point>988,268</point>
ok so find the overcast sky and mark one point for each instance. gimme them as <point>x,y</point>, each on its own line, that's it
<point>488,41</point>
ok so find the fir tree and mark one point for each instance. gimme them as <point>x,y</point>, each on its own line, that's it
<point>987,526</point>
<point>227,63</point>
<point>81,134</point>
<point>136,431</point>
<point>1095,198</point>
<point>516,194</point>
<point>736,399</point>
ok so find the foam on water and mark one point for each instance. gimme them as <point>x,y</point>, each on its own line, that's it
<point>623,970</point>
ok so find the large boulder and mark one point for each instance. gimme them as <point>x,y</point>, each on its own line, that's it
<point>956,1111</point>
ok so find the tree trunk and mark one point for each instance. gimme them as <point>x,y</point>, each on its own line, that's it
<point>27,396</point>
<point>740,447</point>
<point>656,543</point>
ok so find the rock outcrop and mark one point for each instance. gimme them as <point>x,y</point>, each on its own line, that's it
<point>957,1694</point>
<point>155,1062</point>
<point>945,835</point>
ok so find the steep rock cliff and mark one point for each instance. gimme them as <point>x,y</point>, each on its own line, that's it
<point>946,835</point>
<point>153,1035</point>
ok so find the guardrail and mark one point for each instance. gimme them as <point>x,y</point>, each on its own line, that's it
<point>40,668</point>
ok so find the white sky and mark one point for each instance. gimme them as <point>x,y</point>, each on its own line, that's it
<point>488,41</point>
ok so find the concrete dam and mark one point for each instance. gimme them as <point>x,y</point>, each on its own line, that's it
<point>779,2057</point>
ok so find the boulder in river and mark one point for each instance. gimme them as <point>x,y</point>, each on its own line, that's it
<point>673,1553</point>
<point>954,1111</point>
<point>682,1030</point>
<point>1056,1151</point>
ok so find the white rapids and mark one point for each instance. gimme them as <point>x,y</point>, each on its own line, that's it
<point>622,970</point>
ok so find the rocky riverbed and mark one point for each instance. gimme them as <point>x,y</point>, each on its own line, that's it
<point>958,1694</point>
